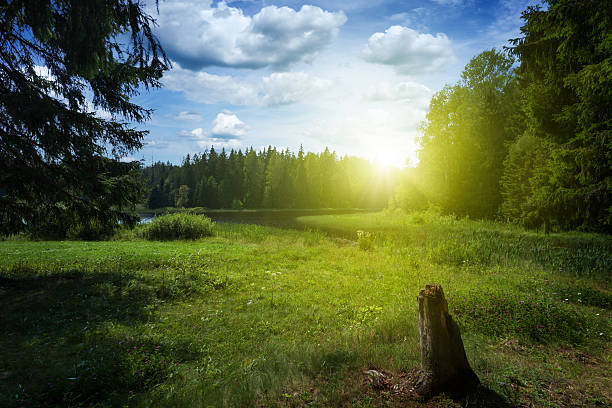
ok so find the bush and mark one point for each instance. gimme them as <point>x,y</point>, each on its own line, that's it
<point>177,226</point>
<point>90,230</point>
<point>365,240</point>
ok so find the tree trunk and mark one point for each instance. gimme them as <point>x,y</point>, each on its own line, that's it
<point>444,365</point>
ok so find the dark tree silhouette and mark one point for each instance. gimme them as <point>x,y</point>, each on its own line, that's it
<point>60,61</point>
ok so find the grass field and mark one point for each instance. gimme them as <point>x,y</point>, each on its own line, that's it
<point>258,316</point>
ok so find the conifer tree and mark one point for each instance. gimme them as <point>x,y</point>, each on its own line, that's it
<point>58,158</point>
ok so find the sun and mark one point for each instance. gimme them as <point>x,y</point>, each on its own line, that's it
<point>387,158</point>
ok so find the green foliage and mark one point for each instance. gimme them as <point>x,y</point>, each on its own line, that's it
<point>409,195</point>
<point>566,89</point>
<point>182,197</point>
<point>90,230</point>
<point>464,138</point>
<point>270,179</point>
<point>365,240</point>
<point>524,168</point>
<point>54,152</point>
<point>531,144</point>
<point>177,226</point>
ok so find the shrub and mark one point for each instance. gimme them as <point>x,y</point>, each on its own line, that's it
<point>90,230</point>
<point>365,240</point>
<point>177,226</point>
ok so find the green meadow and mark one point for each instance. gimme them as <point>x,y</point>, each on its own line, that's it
<point>261,316</point>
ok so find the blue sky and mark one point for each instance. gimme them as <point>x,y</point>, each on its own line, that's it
<point>356,76</point>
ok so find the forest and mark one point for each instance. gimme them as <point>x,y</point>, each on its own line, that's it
<point>525,135</point>
<point>269,179</point>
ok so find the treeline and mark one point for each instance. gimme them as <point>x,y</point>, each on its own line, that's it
<point>269,179</point>
<point>525,135</point>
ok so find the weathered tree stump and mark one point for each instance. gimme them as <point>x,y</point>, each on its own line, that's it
<point>444,365</point>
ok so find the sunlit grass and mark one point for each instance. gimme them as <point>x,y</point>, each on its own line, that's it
<point>254,313</point>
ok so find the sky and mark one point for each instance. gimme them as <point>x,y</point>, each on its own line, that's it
<point>352,75</point>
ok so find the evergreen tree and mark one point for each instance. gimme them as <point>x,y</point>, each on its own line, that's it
<point>54,151</point>
<point>253,180</point>
<point>183,196</point>
<point>566,88</point>
<point>300,181</point>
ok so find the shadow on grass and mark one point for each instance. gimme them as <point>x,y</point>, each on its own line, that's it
<point>67,339</point>
<point>483,397</point>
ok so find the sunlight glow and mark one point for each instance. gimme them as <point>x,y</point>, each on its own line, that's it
<point>389,156</point>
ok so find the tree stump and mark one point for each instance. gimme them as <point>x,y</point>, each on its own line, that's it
<point>444,365</point>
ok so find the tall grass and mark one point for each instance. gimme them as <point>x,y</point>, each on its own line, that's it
<point>176,226</point>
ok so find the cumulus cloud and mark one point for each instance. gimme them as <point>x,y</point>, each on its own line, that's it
<point>226,132</point>
<point>279,88</point>
<point>208,88</point>
<point>413,92</point>
<point>227,126</point>
<point>409,51</point>
<point>282,88</point>
<point>198,35</point>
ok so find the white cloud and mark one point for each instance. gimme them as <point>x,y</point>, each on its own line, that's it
<point>403,16</point>
<point>197,35</point>
<point>412,92</point>
<point>208,88</point>
<point>279,88</point>
<point>282,88</point>
<point>226,131</point>
<point>155,144</point>
<point>188,116</point>
<point>128,159</point>
<point>195,134</point>
<point>227,126</point>
<point>409,51</point>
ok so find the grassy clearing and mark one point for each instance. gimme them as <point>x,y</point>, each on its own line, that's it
<point>268,317</point>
